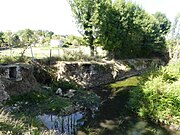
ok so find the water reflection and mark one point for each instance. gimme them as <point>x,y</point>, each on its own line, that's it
<point>63,124</point>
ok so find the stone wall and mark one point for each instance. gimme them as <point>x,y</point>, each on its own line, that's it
<point>3,94</point>
<point>92,74</point>
<point>16,79</point>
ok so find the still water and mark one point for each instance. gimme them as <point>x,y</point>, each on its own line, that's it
<point>112,118</point>
<point>107,121</point>
<point>67,124</point>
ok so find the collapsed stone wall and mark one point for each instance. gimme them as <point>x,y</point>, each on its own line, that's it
<point>3,94</point>
<point>16,79</point>
<point>92,74</point>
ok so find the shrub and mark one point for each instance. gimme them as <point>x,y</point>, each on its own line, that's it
<point>158,95</point>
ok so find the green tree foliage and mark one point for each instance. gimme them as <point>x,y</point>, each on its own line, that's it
<point>43,37</point>
<point>117,32</point>
<point>86,13</point>
<point>48,36</point>
<point>74,40</point>
<point>2,39</point>
<point>126,30</point>
<point>10,39</point>
<point>163,22</point>
<point>163,29</point>
<point>27,38</point>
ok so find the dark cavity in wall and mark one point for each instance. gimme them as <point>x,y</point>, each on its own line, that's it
<point>12,72</point>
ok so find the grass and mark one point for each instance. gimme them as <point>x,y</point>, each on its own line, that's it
<point>132,81</point>
<point>38,102</point>
<point>71,53</point>
<point>8,123</point>
<point>11,124</point>
<point>13,59</point>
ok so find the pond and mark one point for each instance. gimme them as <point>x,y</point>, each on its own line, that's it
<point>63,124</point>
<point>112,118</point>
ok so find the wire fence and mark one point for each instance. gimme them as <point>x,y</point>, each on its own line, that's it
<point>48,52</point>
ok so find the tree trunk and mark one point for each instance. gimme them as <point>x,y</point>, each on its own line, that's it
<point>90,40</point>
<point>91,45</point>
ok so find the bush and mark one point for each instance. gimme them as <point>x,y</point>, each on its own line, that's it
<point>158,95</point>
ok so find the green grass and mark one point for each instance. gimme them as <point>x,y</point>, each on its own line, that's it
<point>47,48</point>
<point>41,101</point>
<point>72,53</point>
<point>13,59</point>
<point>11,124</point>
<point>130,82</point>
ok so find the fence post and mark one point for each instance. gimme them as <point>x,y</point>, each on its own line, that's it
<point>50,55</point>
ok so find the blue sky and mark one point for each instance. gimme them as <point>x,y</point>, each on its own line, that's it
<point>55,15</point>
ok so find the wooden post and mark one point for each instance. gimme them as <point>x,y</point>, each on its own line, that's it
<point>50,55</point>
<point>32,53</point>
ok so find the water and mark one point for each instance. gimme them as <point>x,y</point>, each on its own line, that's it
<point>112,118</point>
<point>67,124</point>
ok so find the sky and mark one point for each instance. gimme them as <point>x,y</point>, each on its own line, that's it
<point>56,15</point>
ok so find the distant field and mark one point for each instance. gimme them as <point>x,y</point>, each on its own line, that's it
<point>44,52</point>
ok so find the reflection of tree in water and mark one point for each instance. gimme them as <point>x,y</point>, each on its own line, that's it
<point>63,124</point>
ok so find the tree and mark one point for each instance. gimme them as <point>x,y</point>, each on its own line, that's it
<point>175,31</point>
<point>120,32</point>
<point>8,38</point>
<point>128,31</point>
<point>27,38</point>
<point>163,22</point>
<point>2,39</point>
<point>86,14</point>
<point>175,39</point>
<point>163,29</point>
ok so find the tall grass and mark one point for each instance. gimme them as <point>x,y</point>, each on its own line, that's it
<point>13,59</point>
<point>158,95</point>
<point>9,125</point>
